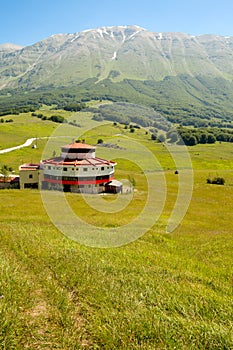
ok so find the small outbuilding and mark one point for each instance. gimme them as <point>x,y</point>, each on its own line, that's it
<point>113,186</point>
<point>29,175</point>
<point>9,181</point>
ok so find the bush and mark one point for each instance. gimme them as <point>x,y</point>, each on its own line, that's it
<point>153,137</point>
<point>57,119</point>
<point>161,138</point>
<point>217,180</point>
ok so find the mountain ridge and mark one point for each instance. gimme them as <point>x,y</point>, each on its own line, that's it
<point>176,73</point>
<point>116,53</point>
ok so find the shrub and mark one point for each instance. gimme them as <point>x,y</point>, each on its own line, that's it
<point>57,119</point>
<point>217,180</point>
<point>153,137</point>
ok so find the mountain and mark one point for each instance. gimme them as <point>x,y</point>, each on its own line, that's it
<point>117,52</point>
<point>175,67</point>
<point>8,47</point>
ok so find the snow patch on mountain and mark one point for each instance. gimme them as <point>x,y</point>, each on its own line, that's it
<point>160,37</point>
<point>86,30</point>
<point>134,34</point>
<point>114,56</point>
<point>105,31</point>
<point>100,32</point>
<point>76,37</point>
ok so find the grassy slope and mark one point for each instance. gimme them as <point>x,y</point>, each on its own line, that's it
<point>159,292</point>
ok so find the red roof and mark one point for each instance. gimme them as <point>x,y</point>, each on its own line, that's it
<point>78,145</point>
<point>29,166</point>
<point>78,162</point>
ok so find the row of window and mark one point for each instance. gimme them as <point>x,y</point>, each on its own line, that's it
<point>49,167</point>
<point>70,178</point>
<point>78,151</point>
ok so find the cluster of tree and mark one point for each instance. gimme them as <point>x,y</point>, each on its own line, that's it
<point>6,121</point>
<point>127,113</point>
<point>176,100</point>
<point>16,110</point>
<point>53,118</point>
<point>201,121</point>
<point>74,107</point>
<point>193,136</point>
<point>158,137</point>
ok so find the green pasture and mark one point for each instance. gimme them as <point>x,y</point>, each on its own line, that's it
<point>162,291</point>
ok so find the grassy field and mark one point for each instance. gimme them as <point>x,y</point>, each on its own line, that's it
<point>162,291</point>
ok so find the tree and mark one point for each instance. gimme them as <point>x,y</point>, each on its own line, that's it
<point>189,139</point>
<point>5,172</point>
<point>192,141</point>
<point>211,138</point>
<point>153,137</point>
<point>161,138</point>
<point>57,119</point>
<point>173,137</point>
<point>203,138</point>
<point>132,182</point>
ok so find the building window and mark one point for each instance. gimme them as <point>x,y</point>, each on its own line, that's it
<point>102,168</point>
<point>84,169</point>
<point>49,167</point>
<point>64,169</point>
<point>30,176</point>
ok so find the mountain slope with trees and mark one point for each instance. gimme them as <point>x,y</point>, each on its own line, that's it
<point>177,74</point>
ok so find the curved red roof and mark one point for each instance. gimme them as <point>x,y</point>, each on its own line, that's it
<point>78,145</point>
<point>75,162</point>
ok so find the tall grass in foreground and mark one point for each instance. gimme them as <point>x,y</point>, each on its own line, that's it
<point>160,292</point>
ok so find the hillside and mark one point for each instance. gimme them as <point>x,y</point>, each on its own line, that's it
<point>162,291</point>
<point>176,73</point>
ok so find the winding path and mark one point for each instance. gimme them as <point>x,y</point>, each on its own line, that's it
<point>25,144</point>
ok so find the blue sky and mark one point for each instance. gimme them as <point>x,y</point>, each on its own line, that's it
<point>25,22</point>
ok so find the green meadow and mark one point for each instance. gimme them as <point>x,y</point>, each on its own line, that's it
<point>161,291</point>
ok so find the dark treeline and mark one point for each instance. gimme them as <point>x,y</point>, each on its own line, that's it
<point>179,103</point>
<point>194,136</point>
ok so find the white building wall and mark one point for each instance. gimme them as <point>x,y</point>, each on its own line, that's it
<point>81,171</point>
<point>88,155</point>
